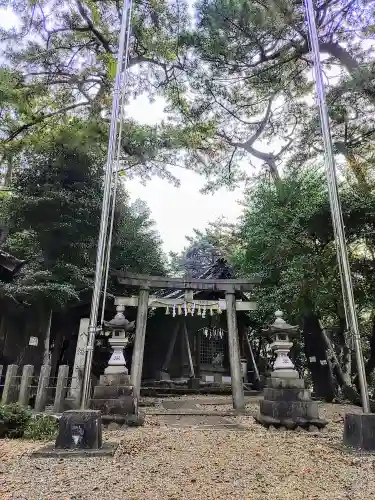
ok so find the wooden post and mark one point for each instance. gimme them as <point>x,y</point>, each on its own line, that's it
<point>9,389</point>
<point>27,375</point>
<point>47,338</point>
<point>170,349</point>
<point>41,394</point>
<point>192,374</point>
<point>61,388</point>
<point>234,353</point>
<point>198,352</point>
<point>79,363</point>
<point>256,371</point>
<point>139,342</point>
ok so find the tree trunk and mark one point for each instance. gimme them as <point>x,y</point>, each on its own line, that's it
<point>56,351</point>
<point>370,365</point>
<point>345,383</point>
<point>8,174</point>
<point>346,352</point>
<point>315,351</point>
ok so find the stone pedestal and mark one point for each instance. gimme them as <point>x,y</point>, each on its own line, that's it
<point>114,395</point>
<point>286,402</point>
<point>359,431</point>
<point>194,383</point>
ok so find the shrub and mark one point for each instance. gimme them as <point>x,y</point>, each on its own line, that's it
<point>41,427</point>
<point>13,420</point>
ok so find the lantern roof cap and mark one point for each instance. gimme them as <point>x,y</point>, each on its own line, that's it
<point>280,326</point>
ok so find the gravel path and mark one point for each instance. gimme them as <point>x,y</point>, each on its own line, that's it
<point>157,462</point>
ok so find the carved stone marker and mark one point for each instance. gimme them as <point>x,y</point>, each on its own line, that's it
<point>286,402</point>
<point>80,434</point>
<point>80,430</point>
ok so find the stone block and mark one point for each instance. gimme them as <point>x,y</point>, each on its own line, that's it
<point>290,409</point>
<point>107,450</point>
<point>114,426</point>
<point>120,406</point>
<point>281,383</point>
<point>114,379</point>
<point>359,431</point>
<point>135,420</point>
<point>71,403</point>
<point>164,376</point>
<point>80,429</point>
<point>194,383</point>
<point>287,394</point>
<point>112,391</point>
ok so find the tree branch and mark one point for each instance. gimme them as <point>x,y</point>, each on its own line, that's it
<point>41,118</point>
<point>102,39</point>
<point>262,125</point>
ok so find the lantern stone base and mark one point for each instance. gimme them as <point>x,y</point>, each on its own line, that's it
<point>288,404</point>
<point>284,383</point>
<point>289,374</point>
<point>115,396</point>
<point>359,431</point>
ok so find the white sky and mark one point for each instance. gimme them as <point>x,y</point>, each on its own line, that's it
<point>176,211</point>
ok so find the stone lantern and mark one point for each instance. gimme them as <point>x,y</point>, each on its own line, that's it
<point>120,328</point>
<point>287,403</point>
<point>281,335</point>
<point>114,395</point>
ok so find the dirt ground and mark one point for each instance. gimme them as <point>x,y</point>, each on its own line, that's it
<point>197,460</point>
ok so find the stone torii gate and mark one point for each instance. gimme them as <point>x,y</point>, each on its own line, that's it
<point>143,301</point>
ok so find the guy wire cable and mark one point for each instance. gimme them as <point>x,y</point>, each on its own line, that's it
<point>337,218</point>
<point>102,238</point>
<point>117,163</point>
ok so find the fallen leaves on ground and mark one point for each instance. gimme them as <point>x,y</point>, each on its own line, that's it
<point>157,462</point>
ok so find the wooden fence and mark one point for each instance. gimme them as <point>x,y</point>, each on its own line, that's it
<point>41,392</point>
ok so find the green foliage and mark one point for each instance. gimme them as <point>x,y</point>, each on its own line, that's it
<point>18,422</point>
<point>250,77</point>
<point>53,214</point>
<point>59,72</point>
<point>203,250</point>
<point>13,420</point>
<point>286,237</point>
<point>41,427</point>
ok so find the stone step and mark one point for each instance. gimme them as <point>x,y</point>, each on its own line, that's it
<point>207,413</point>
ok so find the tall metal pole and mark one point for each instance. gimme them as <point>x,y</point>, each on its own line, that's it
<point>100,257</point>
<point>337,219</point>
<point>116,165</point>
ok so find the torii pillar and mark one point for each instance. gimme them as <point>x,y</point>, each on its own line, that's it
<point>234,353</point>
